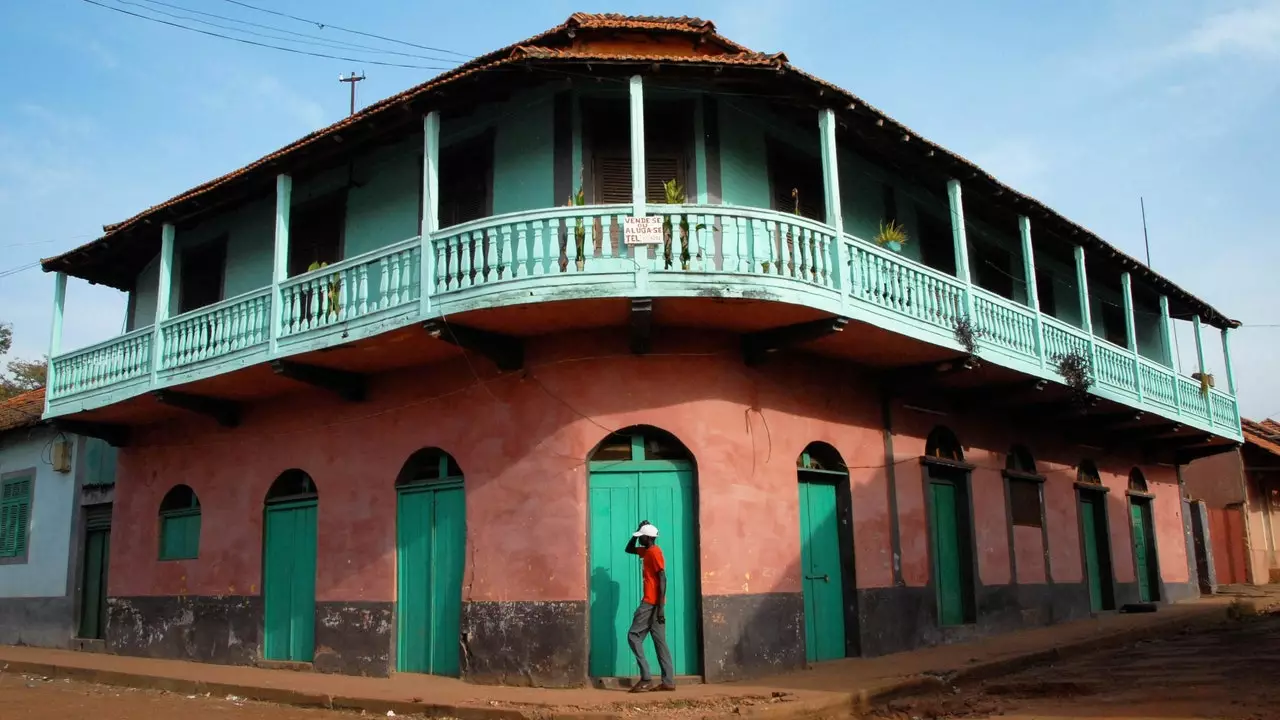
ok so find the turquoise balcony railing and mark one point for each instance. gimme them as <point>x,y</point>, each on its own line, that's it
<point>576,252</point>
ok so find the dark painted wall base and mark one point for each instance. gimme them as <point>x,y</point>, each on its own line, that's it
<point>1181,592</point>
<point>224,629</point>
<point>38,622</point>
<point>539,644</point>
<point>354,638</point>
<point>752,635</point>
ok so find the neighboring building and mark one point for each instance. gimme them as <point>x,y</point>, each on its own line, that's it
<point>428,455</point>
<point>1241,494</point>
<point>52,590</point>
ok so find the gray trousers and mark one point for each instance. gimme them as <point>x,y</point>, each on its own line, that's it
<point>645,623</point>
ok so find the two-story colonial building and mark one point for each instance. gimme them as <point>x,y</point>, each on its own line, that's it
<point>394,397</point>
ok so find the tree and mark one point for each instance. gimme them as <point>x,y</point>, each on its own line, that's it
<point>20,375</point>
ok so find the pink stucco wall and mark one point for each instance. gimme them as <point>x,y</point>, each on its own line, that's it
<point>522,440</point>
<point>1028,543</point>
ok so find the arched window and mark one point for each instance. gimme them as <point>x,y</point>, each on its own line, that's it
<point>179,524</point>
<point>1019,460</point>
<point>821,457</point>
<point>1087,472</point>
<point>1137,481</point>
<point>637,443</point>
<point>944,445</point>
<point>429,466</point>
<point>292,485</point>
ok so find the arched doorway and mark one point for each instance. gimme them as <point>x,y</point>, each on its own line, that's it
<point>289,568</point>
<point>641,473</point>
<point>950,527</point>
<point>1095,537</point>
<point>826,543</point>
<point>431,540</point>
<point>1145,563</point>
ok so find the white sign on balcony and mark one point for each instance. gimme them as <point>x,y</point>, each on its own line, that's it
<point>642,230</point>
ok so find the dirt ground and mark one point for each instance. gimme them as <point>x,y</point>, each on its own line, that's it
<point>1231,672</point>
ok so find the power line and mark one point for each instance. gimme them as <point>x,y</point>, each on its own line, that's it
<point>340,44</point>
<point>20,268</point>
<point>323,25</point>
<point>263,45</point>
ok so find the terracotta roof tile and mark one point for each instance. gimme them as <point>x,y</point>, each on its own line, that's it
<point>535,48</point>
<point>22,410</point>
<point>1265,434</point>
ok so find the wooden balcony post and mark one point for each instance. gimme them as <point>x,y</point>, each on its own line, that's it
<point>639,253</point>
<point>831,186</point>
<point>430,209</point>
<point>55,333</point>
<point>1166,332</point>
<point>1208,399</point>
<point>1226,359</point>
<point>1086,314</point>
<point>280,266</point>
<point>164,285</point>
<point>1131,330</point>
<point>1033,289</point>
<point>959,238</point>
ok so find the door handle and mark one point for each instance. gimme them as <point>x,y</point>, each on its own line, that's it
<point>823,578</point>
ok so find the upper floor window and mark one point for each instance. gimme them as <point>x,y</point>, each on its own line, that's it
<point>1024,492</point>
<point>200,277</point>
<point>937,248</point>
<point>1137,481</point>
<point>1113,322</point>
<point>316,229</point>
<point>1020,460</point>
<point>179,524</point>
<point>795,182</point>
<point>668,141</point>
<point>1087,472</point>
<point>943,444</point>
<point>15,515</point>
<point>991,268</point>
<point>466,180</point>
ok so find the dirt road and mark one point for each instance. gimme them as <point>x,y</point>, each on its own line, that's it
<point>1231,672</point>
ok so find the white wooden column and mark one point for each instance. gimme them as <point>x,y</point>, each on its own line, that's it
<point>1086,313</point>
<point>164,285</point>
<point>1033,288</point>
<point>839,256</point>
<point>639,253</point>
<point>55,334</point>
<point>280,258</point>
<point>1208,401</point>
<point>430,209</point>
<point>1131,330</point>
<point>960,239</point>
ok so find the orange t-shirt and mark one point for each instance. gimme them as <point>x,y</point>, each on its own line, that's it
<point>653,562</point>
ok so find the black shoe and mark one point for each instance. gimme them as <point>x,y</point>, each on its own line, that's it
<point>642,686</point>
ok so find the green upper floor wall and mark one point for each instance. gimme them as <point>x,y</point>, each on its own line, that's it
<point>536,148</point>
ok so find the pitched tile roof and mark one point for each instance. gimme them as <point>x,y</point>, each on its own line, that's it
<point>22,410</point>
<point>557,45</point>
<point>1265,434</point>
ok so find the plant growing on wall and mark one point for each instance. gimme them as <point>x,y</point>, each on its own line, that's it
<point>332,288</point>
<point>966,334</point>
<point>578,199</point>
<point>1076,372</point>
<point>673,194</point>
<point>892,235</point>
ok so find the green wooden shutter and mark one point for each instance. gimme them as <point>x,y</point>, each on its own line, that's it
<point>15,516</point>
<point>180,535</point>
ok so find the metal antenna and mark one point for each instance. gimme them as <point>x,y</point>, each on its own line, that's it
<point>352,79</point>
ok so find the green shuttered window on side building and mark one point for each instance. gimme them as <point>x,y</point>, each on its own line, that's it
<point>180,524</point>
<point>15,516</point>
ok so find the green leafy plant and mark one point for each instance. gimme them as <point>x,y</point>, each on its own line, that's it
<point>673,194</point>
<point>579,199</point>
<point>1076,371</point>
<point>967,334</point>
<point>891,233</point>
<point>334,286</point>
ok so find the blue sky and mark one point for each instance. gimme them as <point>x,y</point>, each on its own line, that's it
<point>1084,105</point>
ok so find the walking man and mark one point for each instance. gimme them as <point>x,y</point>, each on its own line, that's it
<point>651,618</point>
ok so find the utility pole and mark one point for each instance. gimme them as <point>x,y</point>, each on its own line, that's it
<point>352,80</point>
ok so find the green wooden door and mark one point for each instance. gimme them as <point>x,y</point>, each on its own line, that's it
<point>431,537</point>
<point>289,582</point>
<point>621,495</point>
<point>823,580</point>
<point>948,555</point>
<point>1144,551</point>
<point>97,552</point>
<point>1097,550</point>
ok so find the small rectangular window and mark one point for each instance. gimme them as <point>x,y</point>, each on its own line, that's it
<point>15,516</point>
<point>1024,503</point>
<point>180,534</point>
